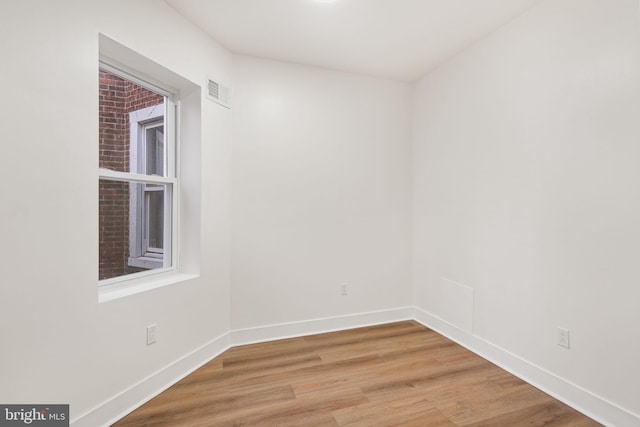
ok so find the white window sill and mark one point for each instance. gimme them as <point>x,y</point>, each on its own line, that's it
<point>147,262</point>
<point>131,287</point>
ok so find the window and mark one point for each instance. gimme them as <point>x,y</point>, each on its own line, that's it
<point>149,176</point>
<point>138,182</point>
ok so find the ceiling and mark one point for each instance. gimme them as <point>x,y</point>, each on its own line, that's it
<point>397,39</point>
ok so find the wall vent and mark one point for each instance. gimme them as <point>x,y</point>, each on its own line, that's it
<point>218,92</point>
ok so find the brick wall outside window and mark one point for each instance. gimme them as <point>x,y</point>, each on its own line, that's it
<point>117,98</point>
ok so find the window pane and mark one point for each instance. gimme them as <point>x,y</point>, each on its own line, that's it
<point>154,156</point>
<point>113,229</point>
<point>125,109</point>
<point>131,227</point>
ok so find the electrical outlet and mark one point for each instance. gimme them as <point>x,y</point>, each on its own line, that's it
<point>563,337</point>
<point>344,289</point>
<point>152,334</point>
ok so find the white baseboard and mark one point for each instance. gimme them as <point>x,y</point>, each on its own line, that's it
<point>318,326</point>
<point>584,401</point>
<point>578,398</point>
<point>128,400</point>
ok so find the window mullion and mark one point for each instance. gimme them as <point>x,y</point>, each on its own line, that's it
<point>135,177</point>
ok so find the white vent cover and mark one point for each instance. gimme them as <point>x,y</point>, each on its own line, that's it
<point>218,93</point>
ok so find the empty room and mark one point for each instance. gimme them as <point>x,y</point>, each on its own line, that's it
<point>320,213</point>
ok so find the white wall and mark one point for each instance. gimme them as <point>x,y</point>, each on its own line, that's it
<point>526,190</point>
<point>524,175</point>
<point>59,345</point>
<point>321,193</point>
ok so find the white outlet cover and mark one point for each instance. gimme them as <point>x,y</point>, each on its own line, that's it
<point>152,334</point>
<point>344,288</point>
<point>563,337</point>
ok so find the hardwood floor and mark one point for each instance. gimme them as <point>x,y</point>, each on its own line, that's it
<point>399,374</point>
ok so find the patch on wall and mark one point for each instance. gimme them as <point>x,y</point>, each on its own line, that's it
<point>456,304</point>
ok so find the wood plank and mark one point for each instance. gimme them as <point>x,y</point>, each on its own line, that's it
<point>395,374</point>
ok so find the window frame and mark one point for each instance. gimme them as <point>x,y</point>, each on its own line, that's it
<point>140,253</point>
<point>170,180</point>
